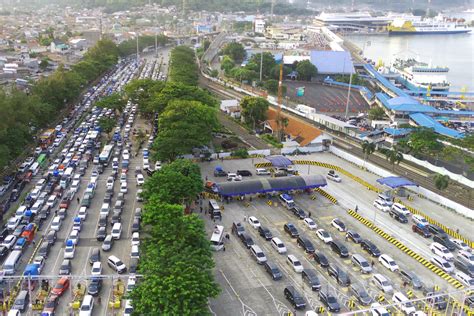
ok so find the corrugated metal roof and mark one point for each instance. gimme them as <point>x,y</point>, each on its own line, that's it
<point>427,121</point>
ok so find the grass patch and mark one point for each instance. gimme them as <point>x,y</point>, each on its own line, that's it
<point>270,139</point>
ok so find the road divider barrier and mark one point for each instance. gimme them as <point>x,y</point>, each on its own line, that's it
<point>326,195</point>
<point>407,250</point>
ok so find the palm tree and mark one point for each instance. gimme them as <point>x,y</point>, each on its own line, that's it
<point>394,156</point>
<point>441,182</point>
<point>367,149</point>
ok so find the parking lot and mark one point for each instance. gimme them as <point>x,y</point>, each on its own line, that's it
<point>77,146</point>
<point>247,287</point>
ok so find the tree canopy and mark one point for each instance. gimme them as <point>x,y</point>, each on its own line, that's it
<point>306,70</point>
<point>235,50</point>
<point>114,101</point>
<point>183,125</point>
<point>254,110</point>
<point>143,92</point>
<point>376,113</point>
<point>183,67</point>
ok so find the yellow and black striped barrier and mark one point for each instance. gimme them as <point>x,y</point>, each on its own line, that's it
<point>407,250</point>
<point>448,230</point>
<point>263,164</point>
<point>321,309</point>
<point>313,197</point>
<point>326,195</point>
<point>269,202</point>
<point>409,293</point>
<point>380,298</point>
<point>209,195</point>
<point>351,304</point>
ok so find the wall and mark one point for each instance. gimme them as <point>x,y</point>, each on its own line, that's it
<point>461,209</point>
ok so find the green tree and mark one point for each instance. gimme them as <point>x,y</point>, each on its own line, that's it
<point>142,92</point>
<point>376,113</point>
<point>107,124</point>
<point>367,149</point>
<point>205,44</point>
<point>275,72</point>
<point>183,66</point>
<point>227,64</point>
<point>44,64</point>
<point>184,125</point>
<point>235,50</point>
<point>272,87</point>
<point>177,183</point>
<point>114,101</point>
<point>268,63</point>
<point>244,74</point>
<point>176,263</point>
<point>306,70</point>
<point>394,156</point>
<point>424,141</point>
<point>254,110</point>
<point>441,182</point>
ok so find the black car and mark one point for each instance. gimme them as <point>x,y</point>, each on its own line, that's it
<point>103,220</point>
<point>399,217</point>
<point>368,246</point>
<point>94,286</point>
<point>294,297</point>
<point>265,233</point>
<point>469,301</point>
<point>101,233</point>
<point>273,270</point>
<point>310,277</point>
<point>354,236</point>
<point>135,225</point>
<point>246,240</point>
<point>298,212</point>
<point>436,230</point>
<point>421,230</point>
<point>95,255</point>
<point>244,173</point>
<point>434,299</point>
<point>339,248</point>
<point>44,249</point>
<point>238,228</point>
<point>291,230</point>
<point>116,218</point>
<point>65,268</point>
<point>337,273</point>
<point>51,237</point>
<point>330,301</point>
<point>4,233</point>
<point>3,252</point>
<point>306,244</point>
<point>444,240</point>
<point>361,294</point>
<point>108,198</point>
<point>320,258</point>
<point>220,173</point>
<point>464,266</point>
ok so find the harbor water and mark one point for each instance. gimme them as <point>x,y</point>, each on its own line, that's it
<point>455,51</point>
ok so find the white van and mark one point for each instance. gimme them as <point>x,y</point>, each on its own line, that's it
<point>87,306</point>
<point>68,173</point>
<point>402,301</point>
<point>257,253</point>
<point>35,167</point>
<point>441,251</point>
<point>464,278</point>
<point>104,210</point>
<point>135,252</point>
<point>56,223</point>
<point>443,264</point>
<point>278,245</point>
<point>20,211</point>
<point>419,220</point>
<point>400,209</point>
<point>294,263</point>
<point>386,198</point>
<point>12,262</point>
<point>35,193</point>
<point>382,283</point>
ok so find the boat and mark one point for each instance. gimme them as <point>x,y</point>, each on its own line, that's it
<point>438,25</point>
<point>416,75</point>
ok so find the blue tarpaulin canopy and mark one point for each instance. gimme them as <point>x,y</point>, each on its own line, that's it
<point>396,182</point>
<point>31,269</point>
<point>279,161</point>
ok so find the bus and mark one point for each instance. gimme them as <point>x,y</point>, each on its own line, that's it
<point>214,209</point>
<point>217,238</point>
<point>106,154</point>
<point>41,160</point>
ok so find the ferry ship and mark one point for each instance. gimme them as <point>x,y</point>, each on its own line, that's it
<point>426,26</point>
<point>416,75</point>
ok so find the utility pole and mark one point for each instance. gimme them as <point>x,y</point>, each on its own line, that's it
<point>348,95</point>
<point>137,49</point>
<point>261,65</point>
<point>271,10</point>
<point>280,97</point>
<point>156,44</point>
<point>100,27</point>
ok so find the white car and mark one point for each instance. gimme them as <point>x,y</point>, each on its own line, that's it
<point>74,236</point>
<point>116,231</point>
<point>294,263</point>
<point>461,245</point>
<point>381,205</point>
<point>52,200</point>
<point>132,281</point>
<point>278,245</point>
<point>13,222</point>
<point>94,176</point>
<point>69,250</point>
<point>96,268</point>
<point>140,179</point>
<point>75,186</point>
<point>262,172</point>
<point>233,177</point>
<point>135,253</point>
<point>82,213</point>
<point>378,310</point>
<point>388,262</point>
<point>324,235</point>
<point>420,220</point>
<point>109,185</point>
<point>157,165</point>
<point>441,251</point>
<point>254,222</point>
<point>135,239</point>
<point>9,241</point>
<point>123,187</point>
<point>464,278</point>
<point>466,256</point>
<point>333,176</point>
<point>338,224</point>
<point>310,223</point>
<point>39,260</point>
<point>443,264</point>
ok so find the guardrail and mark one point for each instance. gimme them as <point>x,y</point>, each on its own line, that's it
<point>406,250</point>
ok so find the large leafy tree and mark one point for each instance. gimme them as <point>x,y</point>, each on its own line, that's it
<point>114,101</point>
<point>227,64</point>
<point>254,110</point>
<point>394,156</point>
<point>142,92</point>
<point>268,63</point>
<point>184,125</point>
<point>176,263</point>
<point>183,66</point>
<point>424,141</point>
<point>441,181</point>
<point>306,70</point>
<point>235,50</point>
<point>177,182</point>
<point>376,113</point>
<point>367,149</point>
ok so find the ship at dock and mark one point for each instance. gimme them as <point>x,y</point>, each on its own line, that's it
<point>438,25</point>
<point>419,76</point>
